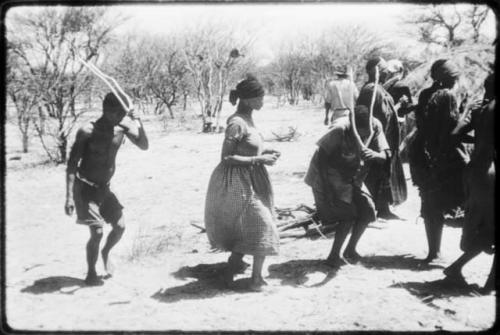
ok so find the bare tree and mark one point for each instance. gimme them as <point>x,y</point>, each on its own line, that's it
<point>476,16</point>
<point>21,92</point>
<point>440,25</point>
<point>48,43</point>
<point>211,55</point>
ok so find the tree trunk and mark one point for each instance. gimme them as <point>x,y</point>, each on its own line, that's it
<point>63,143</point>
<point>184,102</point>
<point>170,111</point>
<point>25,142</point>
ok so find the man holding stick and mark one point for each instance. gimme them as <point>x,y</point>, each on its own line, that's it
<point>90,168</point>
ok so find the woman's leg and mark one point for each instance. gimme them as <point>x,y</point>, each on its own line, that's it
<point>258,262</point>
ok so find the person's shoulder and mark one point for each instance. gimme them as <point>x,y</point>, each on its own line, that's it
<point>236,120</point>
<point>86,129</point>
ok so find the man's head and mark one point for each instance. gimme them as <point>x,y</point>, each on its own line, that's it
<point>445,72</point>
<point>381,64</point>
<point>112,109</point>
<point>342,71</point>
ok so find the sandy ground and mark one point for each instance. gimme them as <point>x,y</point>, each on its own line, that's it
<point>167,277</point>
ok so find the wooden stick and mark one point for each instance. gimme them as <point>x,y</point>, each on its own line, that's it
<point>104,77</point>
<point>372,104</point>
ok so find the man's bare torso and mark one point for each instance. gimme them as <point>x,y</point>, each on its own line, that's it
<point>99,153</point>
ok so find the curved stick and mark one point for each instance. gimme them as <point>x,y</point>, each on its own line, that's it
<point>110,82</point>
<point>351,114</point>
<point>374,95</point>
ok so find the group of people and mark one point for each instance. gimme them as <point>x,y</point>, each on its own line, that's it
<point>355,174</point>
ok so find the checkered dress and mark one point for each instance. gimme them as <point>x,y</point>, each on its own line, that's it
<point>239,213</point>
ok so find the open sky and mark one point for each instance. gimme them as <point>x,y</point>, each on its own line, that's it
<point>273,23</point>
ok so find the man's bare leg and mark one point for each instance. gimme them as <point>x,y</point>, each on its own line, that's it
<point>341,233</point>
<point>489,286</point>
<point>114,236</point>
<point>434,231</point>
<point>350,252</point>
<point>92,255</point>
<point>454,271</point>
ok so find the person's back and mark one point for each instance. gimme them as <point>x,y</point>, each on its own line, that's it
<point>341,93</point>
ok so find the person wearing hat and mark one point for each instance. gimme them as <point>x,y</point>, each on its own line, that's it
<point>386,182</point>
<point>436,162</point>
<point>336,176</point>
<point>478,233</point>
<point>340,95</point>
<point>239,206</point>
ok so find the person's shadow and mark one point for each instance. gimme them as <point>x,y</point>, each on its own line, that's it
<point>400,262</point>
<point>295,272</point>
<point>209,283</point>
<point>55,284</point>
<point>427,292</point>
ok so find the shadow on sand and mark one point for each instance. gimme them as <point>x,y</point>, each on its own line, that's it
<point>439,289</point>
<point>209,283</point>
<point>295,273</point>
<point>400,262</point>
<point>59,284</point>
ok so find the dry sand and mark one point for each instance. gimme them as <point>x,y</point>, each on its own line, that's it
<point>165,269</point>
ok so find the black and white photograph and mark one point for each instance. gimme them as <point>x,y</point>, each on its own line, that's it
<point>313,166</point>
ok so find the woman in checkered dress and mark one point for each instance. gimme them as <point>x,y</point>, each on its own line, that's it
<point>239,215</point>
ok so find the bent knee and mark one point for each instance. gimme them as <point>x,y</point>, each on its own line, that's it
<point>96,233</point>
<point>119,224</point>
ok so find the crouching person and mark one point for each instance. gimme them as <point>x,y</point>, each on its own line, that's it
<point>336,175</point>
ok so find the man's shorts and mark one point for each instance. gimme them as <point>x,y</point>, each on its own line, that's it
<point>361,210</point>
<point>95,205</point>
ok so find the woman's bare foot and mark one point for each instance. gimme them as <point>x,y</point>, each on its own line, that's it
<point>335,262</point>
<point>352,256</point>
<point>93,280</point>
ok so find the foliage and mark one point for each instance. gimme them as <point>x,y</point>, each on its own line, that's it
<point>212,55</point>
<point>47,43</point>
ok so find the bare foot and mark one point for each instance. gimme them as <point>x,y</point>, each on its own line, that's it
<point>352,256</point>
<point>257,284</point>
<point>335,262</point>
<point>388,215</point>
<point>108,265</point>
<point>455,275</point>
<point>93,280</point>
<point>431,258</point>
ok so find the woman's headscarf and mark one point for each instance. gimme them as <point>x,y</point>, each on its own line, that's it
<point>246,89</point>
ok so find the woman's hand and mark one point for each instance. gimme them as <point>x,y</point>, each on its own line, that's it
<point>272,151</point>
<point>267,159</point>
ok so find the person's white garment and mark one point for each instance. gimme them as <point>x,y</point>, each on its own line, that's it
<point>341,94</point>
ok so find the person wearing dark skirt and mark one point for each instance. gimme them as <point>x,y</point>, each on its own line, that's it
<point>386,181</point>
<point>436,161</point>
<point>239,208</point>
<point>479,223</point>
